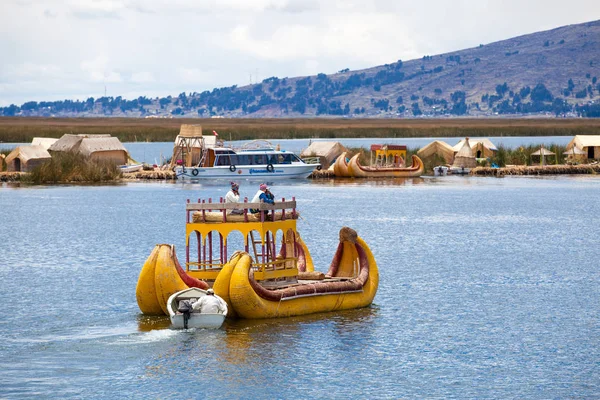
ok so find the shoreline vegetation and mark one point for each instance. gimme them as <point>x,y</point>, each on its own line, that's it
<point>70,168</point>
<point>23,130</point>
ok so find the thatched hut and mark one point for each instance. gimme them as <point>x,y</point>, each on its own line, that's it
<point>575,155</point>
<point>327,152</point>
<point>464,157</point>
<point>96,147</point>
<point>437,148</point>
<point>25,158</point>
<point>482,148</point>
<point>537,157</point>
<point>590,144</point>
<point>44,142</point>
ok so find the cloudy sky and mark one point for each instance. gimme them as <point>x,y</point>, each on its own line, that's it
<point>74,49</point>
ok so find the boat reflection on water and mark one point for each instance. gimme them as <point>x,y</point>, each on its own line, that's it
<point>370,181</point>
<point>244,336</point>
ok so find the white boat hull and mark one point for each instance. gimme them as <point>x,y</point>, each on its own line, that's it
<point>249,172</point>
<point>198,321</point>
<point>130,168</point>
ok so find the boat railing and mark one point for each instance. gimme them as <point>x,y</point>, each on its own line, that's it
<point>287,209</point>
<point>208,270</point>
<point>277,269</point>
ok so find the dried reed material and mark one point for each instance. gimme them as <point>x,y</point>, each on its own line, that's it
<point>18,129</point>
<point>520,170</point>
<point>311,276</point>
<point>322,174</point>
<point>149,175</point>
<point>10,176</point>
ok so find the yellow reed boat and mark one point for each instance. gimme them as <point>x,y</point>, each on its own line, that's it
<point>271,276</point>
<point>356,170</point>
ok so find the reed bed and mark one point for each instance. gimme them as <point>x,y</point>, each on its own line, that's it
<point>22,130</point>
<point>11,176</point>
<point>537,170</point>
<point>153,174</point>
<point>71,167</point>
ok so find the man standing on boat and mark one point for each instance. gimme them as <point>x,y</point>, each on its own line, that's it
<point>209,304</point>
<point>233,196</point>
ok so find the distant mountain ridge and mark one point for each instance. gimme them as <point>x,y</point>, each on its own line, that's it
<point>554,73</point>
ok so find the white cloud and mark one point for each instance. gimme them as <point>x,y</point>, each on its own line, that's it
<point>99,71</point>
<point>142,77</point>
<point>71,48</point>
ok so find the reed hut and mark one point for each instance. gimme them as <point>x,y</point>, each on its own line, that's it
<point>575,155</point>
<point>44,142</point>
<point>96,147</point>
<point>590,144</point>
<point>437,148</point>
<point>25,158</point>
<point>537,157</point>
<point>327,152</point>
<point>464,157</point>
<point>482,148</point>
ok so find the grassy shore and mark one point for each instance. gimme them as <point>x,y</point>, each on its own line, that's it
<point>23,130</point>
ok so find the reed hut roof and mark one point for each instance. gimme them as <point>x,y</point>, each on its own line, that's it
<point>473,143</point>
<point>67,143</point>
<point>543,152</point>
<point>464,157</point>
<point>87,144</point>
<point>98,144</point>
<point>26,153</point>
<point>44,142</point>
<point>438,147</point>
<point>575,151</point>
<point>190,130</point>
<point>328,151</point>
<point>582,141</point>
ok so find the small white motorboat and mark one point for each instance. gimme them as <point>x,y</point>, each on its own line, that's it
<point>128,168</point>
<point>193,319</point>
<point>440,170</point>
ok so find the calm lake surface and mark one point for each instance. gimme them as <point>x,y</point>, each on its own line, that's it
<point>490,289</point>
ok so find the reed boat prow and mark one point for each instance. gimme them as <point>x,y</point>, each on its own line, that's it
<point>340,167</point>
<point>351,282</point>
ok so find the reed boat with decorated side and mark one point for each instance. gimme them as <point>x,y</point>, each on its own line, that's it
<point>271,274</point>
<point>358,171</point>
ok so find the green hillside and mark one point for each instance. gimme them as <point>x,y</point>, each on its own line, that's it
<point>550,73</point>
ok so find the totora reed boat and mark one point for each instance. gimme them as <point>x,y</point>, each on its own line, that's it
<point>271,276</point>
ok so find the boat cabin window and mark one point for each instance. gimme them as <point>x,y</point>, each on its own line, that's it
<point>223,160</point>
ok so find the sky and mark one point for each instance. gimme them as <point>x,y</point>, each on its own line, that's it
<point>75,49</point>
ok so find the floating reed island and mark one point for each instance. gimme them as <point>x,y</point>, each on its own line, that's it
<point>155,174</point>
<point>519,170</point>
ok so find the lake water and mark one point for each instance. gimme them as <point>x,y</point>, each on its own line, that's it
<point>490,289</point>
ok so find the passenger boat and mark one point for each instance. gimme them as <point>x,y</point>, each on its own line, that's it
<point>271,276</point>
<point>358,171</point>
<point>205,157</point>
<point>194,319</point>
